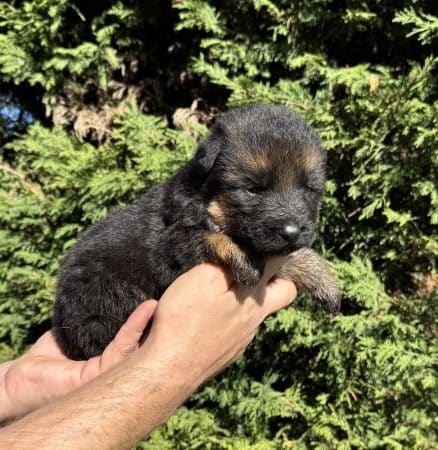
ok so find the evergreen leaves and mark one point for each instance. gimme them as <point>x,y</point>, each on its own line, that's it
<point>364,74</point>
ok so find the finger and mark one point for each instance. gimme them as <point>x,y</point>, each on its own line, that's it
<point>46,345</point>
<point>279,293</point>
<point>42,343</point>
<point>273,265</point>
<point>130,333</point>
<point>128,337</point>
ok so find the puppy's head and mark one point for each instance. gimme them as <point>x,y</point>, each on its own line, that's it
<point>263,173</point>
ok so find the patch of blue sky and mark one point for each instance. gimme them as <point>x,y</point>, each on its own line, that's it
<point>11,114</point>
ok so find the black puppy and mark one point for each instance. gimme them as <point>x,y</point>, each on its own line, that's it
<point>252,190</point>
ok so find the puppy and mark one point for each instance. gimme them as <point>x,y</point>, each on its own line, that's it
<point>251,191</point>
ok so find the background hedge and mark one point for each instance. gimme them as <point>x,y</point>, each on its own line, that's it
<point>100,100</point>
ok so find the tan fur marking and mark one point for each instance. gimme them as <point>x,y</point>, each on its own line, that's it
<point>310,160</point>
<point>216,212</point>
<point>260,161</point>
<point>223,247</point>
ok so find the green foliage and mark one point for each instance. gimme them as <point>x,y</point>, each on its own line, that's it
<point>364,74</point>
<point>59,57</point>
<point>424,25</point>
<point>35,53</point>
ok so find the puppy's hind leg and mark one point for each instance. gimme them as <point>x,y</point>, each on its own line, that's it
<point>310,273</point>
<point>81,340</point>
<point>88,314</point>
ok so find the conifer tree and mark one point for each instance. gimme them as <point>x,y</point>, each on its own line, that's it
<point>100,101</point>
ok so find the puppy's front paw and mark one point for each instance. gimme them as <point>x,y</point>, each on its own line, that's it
<point>310,273</point>
<point>247,269</point>
<point>328,295</point>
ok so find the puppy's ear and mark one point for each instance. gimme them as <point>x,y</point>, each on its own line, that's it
<point>209,150</point>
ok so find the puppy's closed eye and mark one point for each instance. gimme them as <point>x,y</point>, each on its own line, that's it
<point>256,189</point>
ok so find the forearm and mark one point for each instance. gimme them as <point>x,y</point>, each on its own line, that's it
<point>114,411</point>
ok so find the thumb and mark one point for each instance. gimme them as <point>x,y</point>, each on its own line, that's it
<point>273,265</point>
<point>279,293</point>
<point>128,337</point>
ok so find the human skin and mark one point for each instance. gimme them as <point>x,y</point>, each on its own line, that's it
<point>201,324</point>
<point>44,373</point>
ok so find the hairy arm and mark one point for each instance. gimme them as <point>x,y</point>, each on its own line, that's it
<point>201,325</point>
<point>114,410</point>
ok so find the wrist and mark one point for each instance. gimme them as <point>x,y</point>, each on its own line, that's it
<point>166,383</point>
<point>178,363</point>
<point>6,401</point>
<point>20,389</point>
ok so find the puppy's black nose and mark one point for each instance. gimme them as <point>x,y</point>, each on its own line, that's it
<point>290,231</point>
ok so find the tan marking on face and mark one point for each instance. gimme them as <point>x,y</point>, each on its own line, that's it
<point>223,247</point>
<point>216,212</point>
<point>288,172</point>
<point>310,160</point>
<point>259,162</point>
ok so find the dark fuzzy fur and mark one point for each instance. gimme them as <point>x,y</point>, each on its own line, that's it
<point>260,168</point>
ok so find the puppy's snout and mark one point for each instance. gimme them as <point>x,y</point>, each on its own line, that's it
<point>290,231</point>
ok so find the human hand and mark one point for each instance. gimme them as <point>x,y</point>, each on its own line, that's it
<point>45,373</point>
<point>203,322</point>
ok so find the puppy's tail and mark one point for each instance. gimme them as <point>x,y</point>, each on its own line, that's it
<point>311,273</point>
